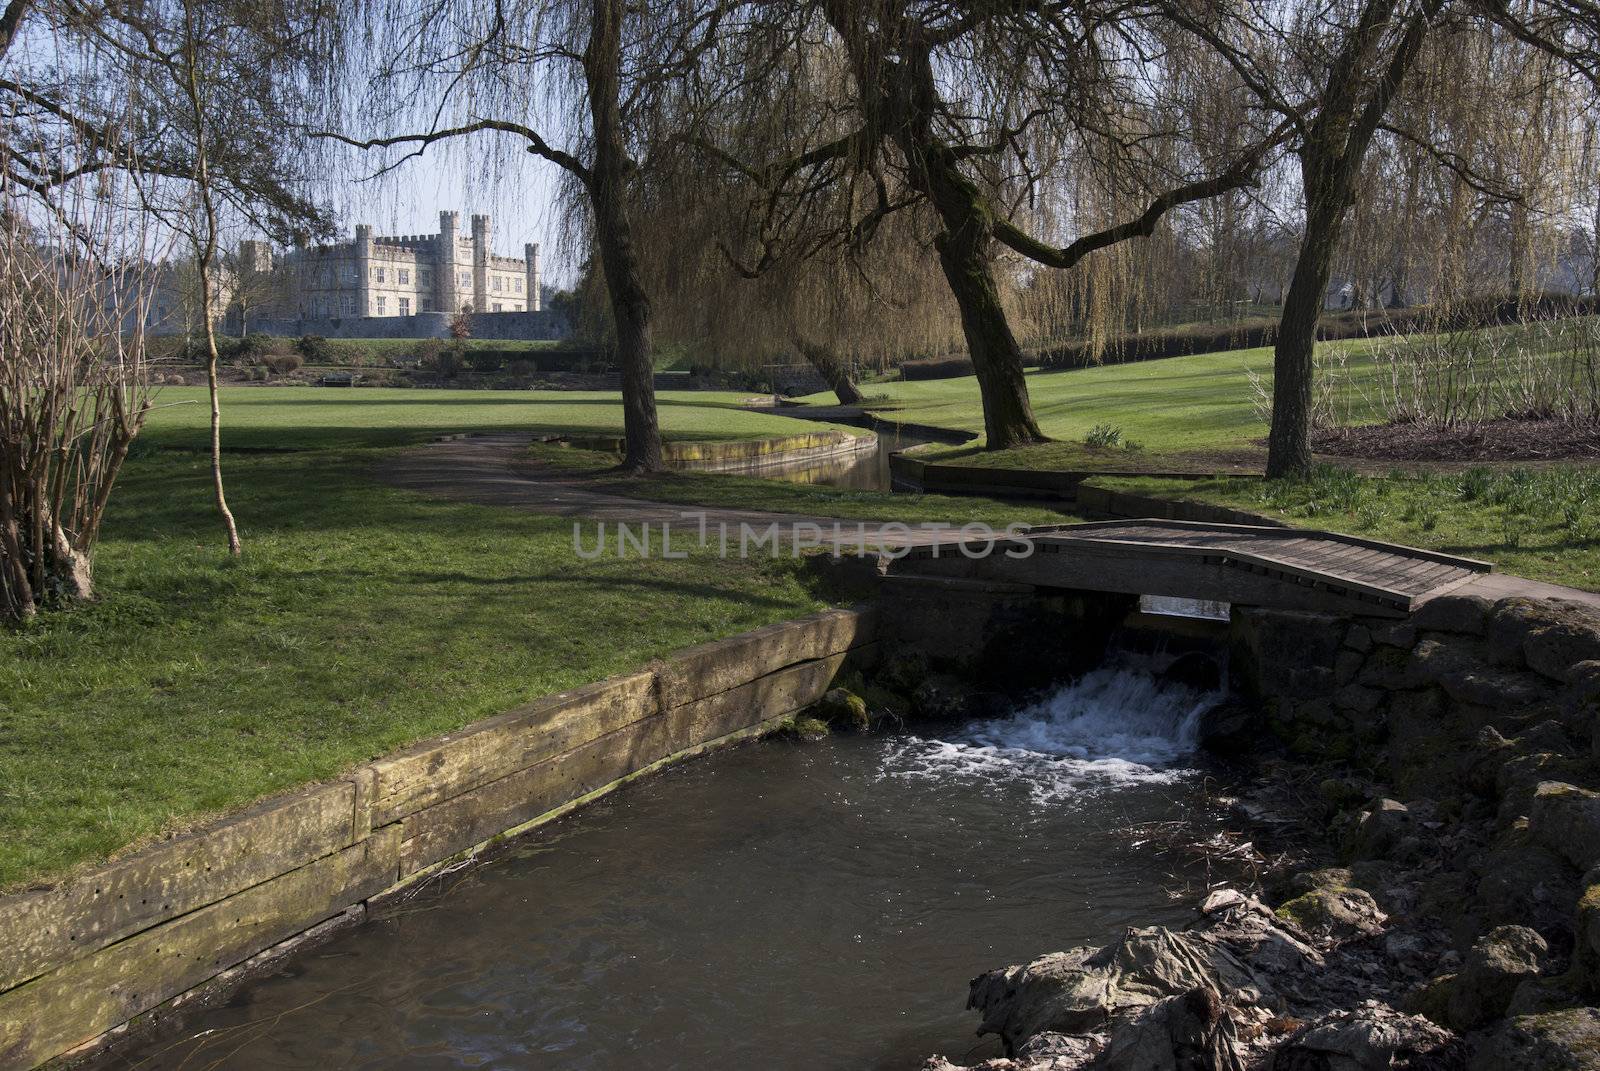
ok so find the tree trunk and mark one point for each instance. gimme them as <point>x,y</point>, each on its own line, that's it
<point>996,358</point>
<point>903,96</point>
<point>630,304</point>
<point>830,368</point>
<point>1293,356</point>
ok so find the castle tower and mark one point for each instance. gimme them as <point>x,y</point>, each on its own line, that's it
<point>530,255</point>
<point>480,263</point>
<point>447,296</point>
<point>255,256</point>
<point>363,269</point>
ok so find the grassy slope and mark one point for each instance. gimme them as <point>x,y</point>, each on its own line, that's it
<point>360,617</point>
<point>1178,405</point>
<point>1544,524</point>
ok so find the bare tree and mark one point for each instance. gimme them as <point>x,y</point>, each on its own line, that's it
<point>74,299</point>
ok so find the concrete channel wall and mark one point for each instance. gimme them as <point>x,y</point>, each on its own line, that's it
<point>134,938</point>
<point>744,455</point>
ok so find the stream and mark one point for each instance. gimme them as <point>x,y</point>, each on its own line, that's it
<point>776,905</point>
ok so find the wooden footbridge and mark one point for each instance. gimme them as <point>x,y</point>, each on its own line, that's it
<point>1284,568</point>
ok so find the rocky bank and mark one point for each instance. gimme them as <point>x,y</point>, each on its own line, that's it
<point>1452,919</point>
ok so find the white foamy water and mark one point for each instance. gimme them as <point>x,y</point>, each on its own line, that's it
<point>1111,727</point>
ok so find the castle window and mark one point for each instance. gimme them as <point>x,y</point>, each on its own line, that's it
<point>405,306</point>
<point>379,273</point>
<point>497,307</point>
<point>405,276</point>
<point>349,305</point>
<point>466,278</point>
<point>518,284</point>
<point>383,305</point>
<point>497,282</point>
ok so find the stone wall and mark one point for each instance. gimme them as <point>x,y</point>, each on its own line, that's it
<point>548,325</point>
<point>126,941</point>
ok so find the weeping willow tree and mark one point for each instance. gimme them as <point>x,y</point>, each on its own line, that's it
<point>977,117</point>
<point>588,86</point>
<point>814,292</point>
<point>1451,208</point>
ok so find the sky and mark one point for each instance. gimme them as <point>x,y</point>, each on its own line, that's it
<point>518,194</point>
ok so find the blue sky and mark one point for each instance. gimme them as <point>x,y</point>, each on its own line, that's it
<point>476,176</point>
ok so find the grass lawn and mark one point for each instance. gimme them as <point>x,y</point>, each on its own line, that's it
<point>298,418</point>
<point>360,618</point>
<point>754,493</point>
<point>1175,406</point>
<point>1543,524</point>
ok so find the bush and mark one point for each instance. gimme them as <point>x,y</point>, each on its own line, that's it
<point>426,352</point>
<point>253,347</point>
<point>315,349</point>
<point>485,361</point>
<point>937,368</point>
<point>281,364</point>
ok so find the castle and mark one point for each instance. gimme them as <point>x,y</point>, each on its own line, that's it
<point>393,286</point>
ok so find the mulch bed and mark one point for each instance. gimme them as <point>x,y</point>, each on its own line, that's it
<point>1499,440</point>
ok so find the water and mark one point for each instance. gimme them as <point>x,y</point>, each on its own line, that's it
<point>779,905</point>
<point>862,472</point>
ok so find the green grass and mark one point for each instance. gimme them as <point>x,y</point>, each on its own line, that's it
<point>1543,524</point>
<point>725,491</point>
<point>1175,406</point>
<point>360,618</point>
<point>299,418</point>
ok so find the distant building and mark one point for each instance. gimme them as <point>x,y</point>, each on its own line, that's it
<point>401,286</point>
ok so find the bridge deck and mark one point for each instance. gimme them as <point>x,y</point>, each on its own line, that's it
<point>1236,563</point>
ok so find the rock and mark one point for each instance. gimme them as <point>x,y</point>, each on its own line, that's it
<point>1522,882</point>
<point>1286,654</point>
<point>1402,635</point>
<point>1567,635</point>
<point>1466,614</point>
<point>1379,831</point>
<point>943,696</point>
<point>1334,911</point>
<point>1373,1037</point>
<point>842,707</point>
<point>1191,1032</point>
<point>1509,624</point>
<point>1461,673</point>
<point>1359,699</point>
<point>1566,1040</point>
<point>1585,973</point>
<point>1079,991</point>
<point>1566,819</point>
<point>1346,664</point>
<point>1358,639</point>
<point>1232,727</point>
<point>903,672</point>
<point>1497,964</point>
<point>1520,777</point>
<point>805,728</point>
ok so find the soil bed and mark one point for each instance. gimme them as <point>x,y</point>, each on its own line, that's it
<point>1496,441</point>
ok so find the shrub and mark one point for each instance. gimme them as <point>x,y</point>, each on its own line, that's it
<point>485,361</point>
<point>253,347</point>
<point>315,349</point>
<point>281,364</point>
<point>426,352</point>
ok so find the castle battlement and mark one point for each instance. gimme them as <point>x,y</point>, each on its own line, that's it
<point>411,274</point>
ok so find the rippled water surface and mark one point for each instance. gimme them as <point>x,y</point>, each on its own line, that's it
<point>779,905</point>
